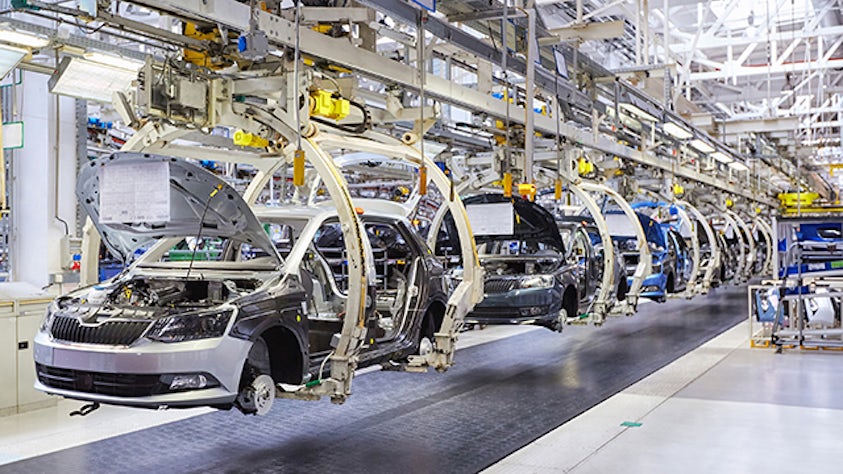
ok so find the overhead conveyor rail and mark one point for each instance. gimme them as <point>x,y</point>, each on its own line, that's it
<point>281,31</point>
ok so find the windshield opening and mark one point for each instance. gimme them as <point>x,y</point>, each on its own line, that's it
<point>508,246</point>
<point>206,252</point>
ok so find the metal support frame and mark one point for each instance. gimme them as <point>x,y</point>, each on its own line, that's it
<point>740,272</point>
<point>767,232</point>
<point>696,258</point>
<point>606,298</point>
<point>708,272</point>
<point>645,258</point>
<point>470,289</point>
<point>750,241</point>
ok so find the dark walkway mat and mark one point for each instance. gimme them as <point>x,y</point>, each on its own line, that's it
<point>499,397</point>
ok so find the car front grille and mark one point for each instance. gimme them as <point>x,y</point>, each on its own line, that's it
<point>499,286</point>
<point>118,385</point>
<point>630,259</point>
<point>493,312</point>
<point>115,333</point>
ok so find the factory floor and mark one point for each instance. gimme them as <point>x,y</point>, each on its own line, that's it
<point>675,388</point>
<point>724,407</point>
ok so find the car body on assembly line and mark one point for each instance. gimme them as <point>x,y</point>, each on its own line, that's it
<point>582,240</point>
<point>267,308</point>
<point>530,278</point>
<point>671,261</point>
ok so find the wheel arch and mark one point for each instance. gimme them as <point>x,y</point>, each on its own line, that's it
<point>287,357</point>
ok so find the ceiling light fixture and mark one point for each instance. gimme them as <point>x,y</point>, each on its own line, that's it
<point>83,79</point>
<point>637,112</point>
<point>22,38</point>
<point>9,59</point>
<point>702,146</point>
<point>112,60</point>
<point>722,157</point>
<point>677,131</point>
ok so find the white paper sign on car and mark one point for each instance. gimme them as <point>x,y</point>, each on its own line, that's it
<point>134,192</point>
<point>491,219</point>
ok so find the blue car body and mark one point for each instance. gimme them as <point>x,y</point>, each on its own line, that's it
<point>669,253</point>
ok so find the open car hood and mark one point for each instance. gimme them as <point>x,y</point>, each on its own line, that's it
<point>653,230</point>
<point>136,216</point>
<point>533,222</point>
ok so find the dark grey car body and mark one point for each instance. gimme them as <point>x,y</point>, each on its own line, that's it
<point>155,337</point>
<point>534,287</point>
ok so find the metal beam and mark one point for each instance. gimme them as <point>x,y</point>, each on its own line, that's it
<point>585,32</point>
<point>747,71</point>
<point>720,43</point>
<point>547,80</point>
<point>737,127</point>
<point>492,14</point>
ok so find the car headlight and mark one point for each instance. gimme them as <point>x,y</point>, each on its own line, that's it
<point>52,309</point>
<point>538,281</point>
<point>654,247</point>
<point>656,268</point>
<point>190,326</point>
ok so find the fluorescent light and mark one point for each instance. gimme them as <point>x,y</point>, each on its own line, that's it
<point>9,58</point>
<point>676,131</point>
<point>638,112</point>
<point>77,77</point>
<point>737,165</point>
<point>116,61</point>
<point>22,38</point>
<point>722,157</point>
<point>701,146</point>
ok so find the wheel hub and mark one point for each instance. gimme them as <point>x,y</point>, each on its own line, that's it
<point>258,396</point>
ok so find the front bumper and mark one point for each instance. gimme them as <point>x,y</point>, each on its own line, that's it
<point>522,306</point>
<point>653,287</point>
<point>104,373</point>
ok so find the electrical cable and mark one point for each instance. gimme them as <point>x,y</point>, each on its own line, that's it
<point>217,189</point>
<point>355,128</point>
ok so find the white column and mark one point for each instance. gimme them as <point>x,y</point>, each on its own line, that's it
<point>36,234</point>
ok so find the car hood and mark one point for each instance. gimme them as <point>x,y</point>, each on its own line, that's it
<point>533,221</point>
<point>653,231</point>
<point>195,196</point>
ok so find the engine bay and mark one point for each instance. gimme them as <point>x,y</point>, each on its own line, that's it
<point>520,264</point>
<point>167,292</point>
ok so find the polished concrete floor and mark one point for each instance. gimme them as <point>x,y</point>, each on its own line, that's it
<point>722,408</point>
<point>520,400</point>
